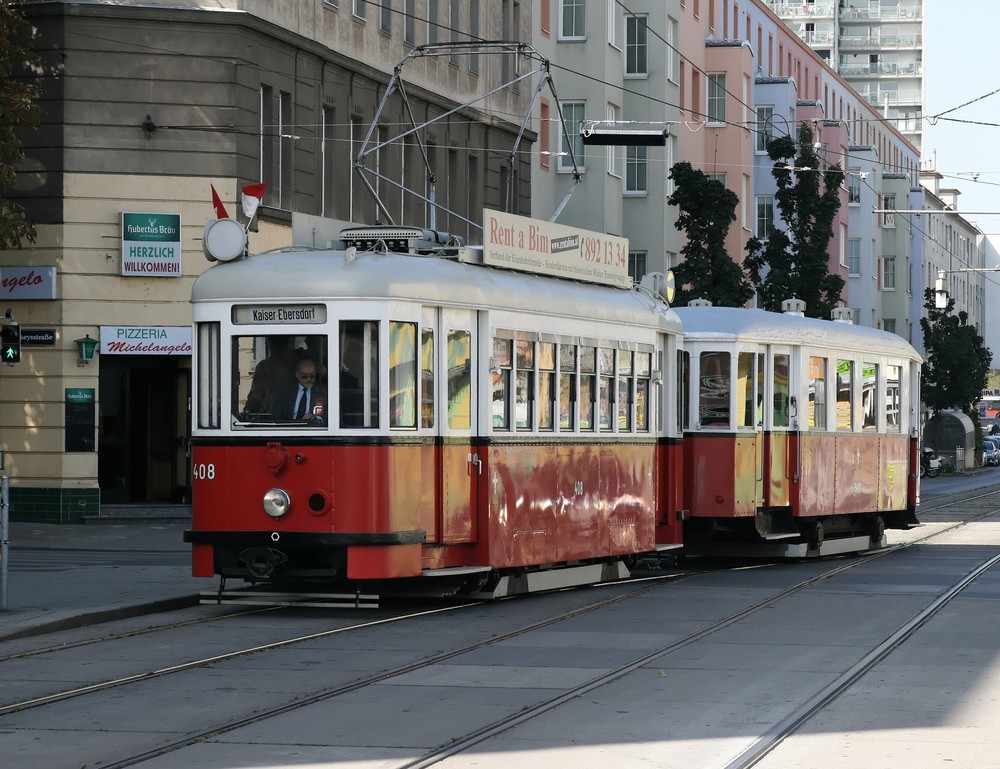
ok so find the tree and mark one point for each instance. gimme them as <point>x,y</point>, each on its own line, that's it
<point>707,208</point>
<point>795,262</point>
<point>19,111</point>
<point>957,360</point>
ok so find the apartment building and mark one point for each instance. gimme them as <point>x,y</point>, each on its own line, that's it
<point>875,45</point>
<point>150,104</point>
<point>618,66</point>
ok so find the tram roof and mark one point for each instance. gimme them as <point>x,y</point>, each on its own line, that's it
<point>317,275</point>
<point>731,323</point>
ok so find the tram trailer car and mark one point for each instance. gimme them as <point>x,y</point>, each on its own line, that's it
<point>800,435</point>
<point>477,429</point>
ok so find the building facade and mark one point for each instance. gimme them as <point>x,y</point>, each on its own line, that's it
<point>876,45</point>
<point>150,105</point>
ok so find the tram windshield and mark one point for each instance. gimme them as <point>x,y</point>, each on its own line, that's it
<point>289,380</point>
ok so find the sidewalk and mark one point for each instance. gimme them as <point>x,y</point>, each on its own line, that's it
<point>130,569</point>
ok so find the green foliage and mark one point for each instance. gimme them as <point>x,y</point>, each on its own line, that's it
<point>957,360</point>
<point>707,208</point>
<point>19,111</point>
<point>795,264</point>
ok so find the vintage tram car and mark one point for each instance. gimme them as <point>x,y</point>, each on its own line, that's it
<point>479,429</point>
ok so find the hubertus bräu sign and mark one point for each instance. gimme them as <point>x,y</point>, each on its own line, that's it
<point>151,245</point>
<point>534,245</point>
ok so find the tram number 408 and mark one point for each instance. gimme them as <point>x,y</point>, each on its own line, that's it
<point>203,472</point>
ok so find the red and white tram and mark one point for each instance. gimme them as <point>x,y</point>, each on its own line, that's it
<point>800,434</point>
<point>473,428</point>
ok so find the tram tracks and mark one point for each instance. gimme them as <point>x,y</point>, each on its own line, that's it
<point>463,743</point>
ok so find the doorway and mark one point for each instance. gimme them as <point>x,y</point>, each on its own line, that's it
<point>143,430</point>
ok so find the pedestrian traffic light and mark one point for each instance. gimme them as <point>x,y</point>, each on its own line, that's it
<point>10,343</point>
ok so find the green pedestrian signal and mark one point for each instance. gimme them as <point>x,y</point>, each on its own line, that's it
<point>10,344</point>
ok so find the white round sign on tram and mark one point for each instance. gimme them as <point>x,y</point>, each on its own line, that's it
<point>225,240</point>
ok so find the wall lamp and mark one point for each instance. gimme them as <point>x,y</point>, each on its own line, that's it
<point>86,348</point>
<point>148,126</point>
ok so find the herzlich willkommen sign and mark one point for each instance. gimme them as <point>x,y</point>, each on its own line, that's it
<point>151,245</point>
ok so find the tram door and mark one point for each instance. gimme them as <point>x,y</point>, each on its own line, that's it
<point>779,463</point>
<point>461,464</point>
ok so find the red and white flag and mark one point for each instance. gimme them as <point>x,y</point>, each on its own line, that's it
<point>252,195</point>
<point>220,209</point>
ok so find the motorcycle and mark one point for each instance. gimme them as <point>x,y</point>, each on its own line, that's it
<point>930,463</point>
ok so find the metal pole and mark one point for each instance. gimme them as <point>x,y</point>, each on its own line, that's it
<point>4,537</point>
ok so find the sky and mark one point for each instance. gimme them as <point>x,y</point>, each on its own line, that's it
<point>962,64</point>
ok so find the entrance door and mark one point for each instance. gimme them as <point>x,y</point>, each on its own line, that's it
<point>461,463</point>
<point>143,430</point>
<point>782,412</point>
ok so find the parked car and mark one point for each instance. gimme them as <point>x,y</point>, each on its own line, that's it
<point>991,452</point>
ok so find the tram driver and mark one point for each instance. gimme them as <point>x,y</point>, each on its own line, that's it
<point>306,399</point>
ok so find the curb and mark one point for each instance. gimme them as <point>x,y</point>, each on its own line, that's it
<point>102,615</point>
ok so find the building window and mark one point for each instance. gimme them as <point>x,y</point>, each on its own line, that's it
<point>765,217</point>
<point>765,127</point>
<point>889,206</point>
<point>409,21</point>
<point>385,16</point>
<point>854,257</point>
<point>360,7</point>
<point>635,46</point>
<point>673,57</point>
<point>454,23</point>
<point>636,265</point>
<point>854,186</point>
<point>573,112</point>
<point>889,273</point>
<point>474,34</point>
<point>572,19</point>
<point>614,163</point>
<point>716,103</point>
<point>612,22</point>
<point>635,170</point>
<point>889,324</point>
<point>432,22</point>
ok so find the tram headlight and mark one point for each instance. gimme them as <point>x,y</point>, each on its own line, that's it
<point>277,503</point>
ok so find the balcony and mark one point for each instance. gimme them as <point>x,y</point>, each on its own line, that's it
<point>893,98</point>
<point>883,69</point>
<point>802,9</point>
<point>881,42</point>
<point>898,14</point>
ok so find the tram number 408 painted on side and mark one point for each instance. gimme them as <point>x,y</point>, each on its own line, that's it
<point>203,472</point>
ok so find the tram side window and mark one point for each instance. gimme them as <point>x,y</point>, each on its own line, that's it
<point>713,389</point>
<point>402,375</point>
<point>624,396</point>
<point>892,386</point>
<point>845,390</point>
<point>459,380</point>
<point>567,385</point>
<point>524,395</point>
<point>780,417</point>
<point>817,393</point>
<point>605,386</point>
<point>502,367</point>
<point>359,368</point>
<point>209,375</point>
<point>747,411</point>
<point>869,398</point>
<point>427,377</point>
<point>643,372</point>
<point>588,388</point>
<point>546,385</point>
